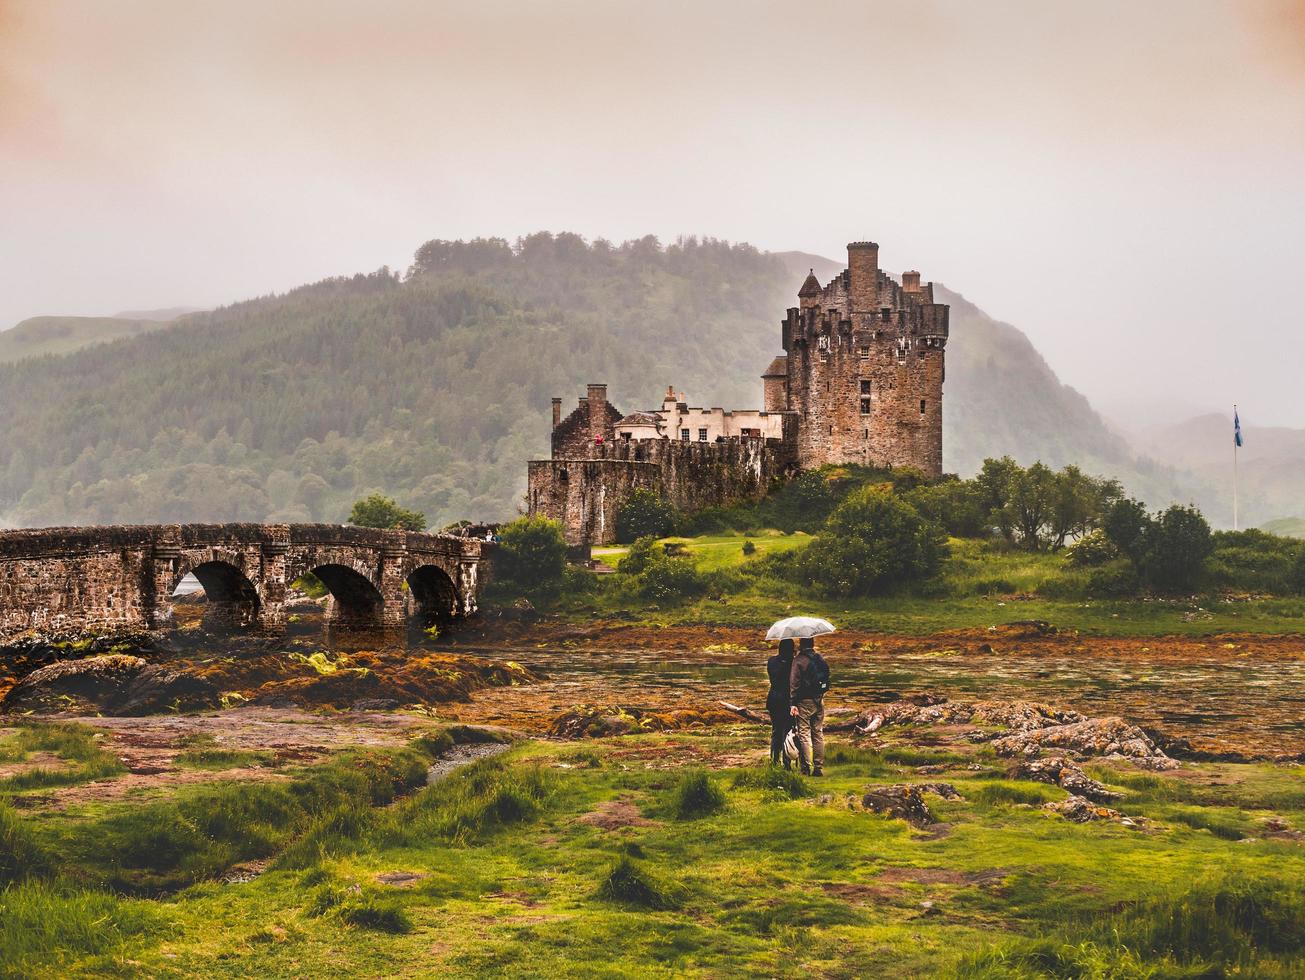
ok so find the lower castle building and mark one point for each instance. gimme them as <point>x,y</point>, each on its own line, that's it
<point>860,381</point>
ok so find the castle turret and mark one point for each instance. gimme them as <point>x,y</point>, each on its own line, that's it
<point>774,385</point>
<point>809,294</point>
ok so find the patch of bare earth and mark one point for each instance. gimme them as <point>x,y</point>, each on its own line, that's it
<point>149,747</point>
<point>616,814</point>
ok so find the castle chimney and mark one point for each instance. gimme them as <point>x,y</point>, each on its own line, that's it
<point>557,412</point>
<point>911,281</point>
<point>863,273</point>
<point>597,404</point>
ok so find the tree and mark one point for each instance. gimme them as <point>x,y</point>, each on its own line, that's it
<point>1127,524</point>
<point>956,505</point>
<point>644,513</point>
<point>377,510</point>
<point>995,482</point>
<point>872,541</point>
<point>1179,542</point>
<point>531,554</point>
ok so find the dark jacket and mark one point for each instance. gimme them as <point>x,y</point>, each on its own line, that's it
<point>778,669</point>
<point>802,680</point>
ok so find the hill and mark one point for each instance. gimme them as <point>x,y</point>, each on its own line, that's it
<point>434,386</point>
<point>41,335</point>
<point>1270,465</point>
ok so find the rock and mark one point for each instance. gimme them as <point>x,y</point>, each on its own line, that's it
<point>932,710</point>
<point>84,686</point>
<point>374,704</point>
<point>900,800</point>
<point>1060,771</point>
<point>1109,738</point>
<point>1081,810</point>
<point>946,790</point>
<point>600,721</point>
<point>159,688</point>
<point>521,611</point>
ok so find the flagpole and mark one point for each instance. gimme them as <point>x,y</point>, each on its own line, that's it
<point>1235,473</point>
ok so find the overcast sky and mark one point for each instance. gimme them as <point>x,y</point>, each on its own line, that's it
<point>1124,181</point>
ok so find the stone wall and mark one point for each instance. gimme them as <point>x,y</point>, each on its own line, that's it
<point>583,495</point>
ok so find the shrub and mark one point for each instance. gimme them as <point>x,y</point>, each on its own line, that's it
<point>378,510</point>
<point>629,883</point>
<point>532,554</point>
<point>695,795</point>
<point>1255,561</point>
<point>1127,524</point>
<point>644,513</point>
<point>749,548</point>
<point>670,580</point>
<point>956,505</point>
<point>871,542</point>
<point>636,559</point>
<point>1116,578</point>
<point>382,915</point>
<point>1092,550</point>
<point>1177,545</point>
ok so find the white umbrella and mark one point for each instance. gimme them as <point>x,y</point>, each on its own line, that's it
<point>799,626</point>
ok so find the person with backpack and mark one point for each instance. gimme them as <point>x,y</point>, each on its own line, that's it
<point>778,669</point>
<point>808,682</point>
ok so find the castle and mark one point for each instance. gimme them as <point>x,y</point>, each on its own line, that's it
<point>860,381</point>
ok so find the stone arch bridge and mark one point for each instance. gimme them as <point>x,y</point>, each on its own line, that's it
<point>74,579</point>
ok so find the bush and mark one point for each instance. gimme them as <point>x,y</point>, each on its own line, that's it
<point>1255,561</point>
<point>1117,578</point>
<point>749,548</point>
<point>1178,544</point>
<point>377,510</point>
<point>871,542</point>
<point>695,795</point>
<point>636,559</point>
<point>629,883</point>
<point>1126,525</point>
<point>644,513</point>
<point>1092,550</point>
<point>382,915</point>
<point>671,580</point>
<point>955,505</point>
<point>532,555</point>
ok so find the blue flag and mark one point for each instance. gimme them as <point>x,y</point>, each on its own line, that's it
<point>1237,428</point>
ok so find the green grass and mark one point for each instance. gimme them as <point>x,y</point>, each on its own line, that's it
<point>217,759</point>
<point>981,585</point>
<point>76,745</point>
<point>512,879</point>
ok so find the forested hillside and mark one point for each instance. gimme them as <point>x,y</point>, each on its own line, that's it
<point>434,386</point>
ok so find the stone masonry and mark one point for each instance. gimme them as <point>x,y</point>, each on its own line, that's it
<point>860,381</point>
<point>99,579</point>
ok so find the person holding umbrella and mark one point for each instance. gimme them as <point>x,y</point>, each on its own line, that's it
<point>808,682</point>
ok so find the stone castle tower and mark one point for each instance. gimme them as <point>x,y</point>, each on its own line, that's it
<point>863,368</point>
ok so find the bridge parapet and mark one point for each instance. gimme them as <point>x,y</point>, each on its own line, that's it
<point>122,577</point>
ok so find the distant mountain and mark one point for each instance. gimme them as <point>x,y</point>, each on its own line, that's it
<point>434,387</point>
<point>1270,467</point>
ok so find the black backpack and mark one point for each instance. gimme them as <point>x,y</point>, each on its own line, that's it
<point>819,673</point>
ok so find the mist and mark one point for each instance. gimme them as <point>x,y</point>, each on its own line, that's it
<point>1121,181</point>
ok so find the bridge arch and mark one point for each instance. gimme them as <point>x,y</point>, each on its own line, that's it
<point>434,595</point>
<point>356,601</point>
<point>230,598</point>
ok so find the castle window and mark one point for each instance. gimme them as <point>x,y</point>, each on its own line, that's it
<point>921,406</point>
<point>824,356</point>
<point>865,386</point>
<point>702,435</point>
<point>561,475</point>
<point>864,350</point>
<point>865,406</point>
<point>684,435</point>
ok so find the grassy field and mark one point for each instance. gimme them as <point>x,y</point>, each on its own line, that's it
<point>981,586</point>
<point>663,855</point>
